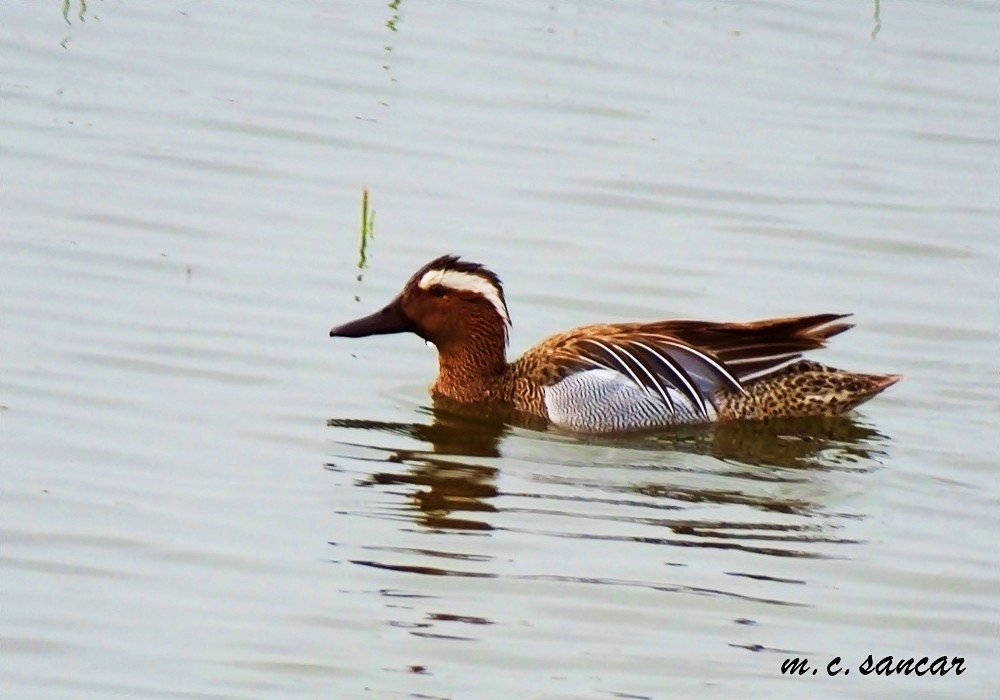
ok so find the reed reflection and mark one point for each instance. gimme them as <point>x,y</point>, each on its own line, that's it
<point>81,10</point>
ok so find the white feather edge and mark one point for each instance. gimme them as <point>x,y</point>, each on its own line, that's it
<point>468,282</point>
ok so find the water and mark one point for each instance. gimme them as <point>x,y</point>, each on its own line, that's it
<point>205,496</point>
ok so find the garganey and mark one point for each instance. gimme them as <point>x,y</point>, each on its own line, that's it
<point>617,376</point>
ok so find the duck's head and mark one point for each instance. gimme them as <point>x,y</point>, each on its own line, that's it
<point>448,301</point>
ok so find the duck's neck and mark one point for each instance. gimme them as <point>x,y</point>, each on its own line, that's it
<point>469,368</point>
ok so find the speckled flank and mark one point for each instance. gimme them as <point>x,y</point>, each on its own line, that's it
<point>802,389</point>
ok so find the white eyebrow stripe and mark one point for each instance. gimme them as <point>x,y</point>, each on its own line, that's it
<point>467,282</point>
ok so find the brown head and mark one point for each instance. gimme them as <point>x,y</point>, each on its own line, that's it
<point>458,306</point>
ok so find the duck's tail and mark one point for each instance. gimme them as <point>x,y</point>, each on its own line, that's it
<point>805,388</point>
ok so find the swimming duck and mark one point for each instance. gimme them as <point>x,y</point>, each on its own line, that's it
<point>617,376</point>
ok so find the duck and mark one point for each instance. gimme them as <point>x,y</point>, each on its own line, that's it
<point>616,377</point>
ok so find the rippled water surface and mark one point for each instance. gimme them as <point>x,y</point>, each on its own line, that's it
<point>205,496</point>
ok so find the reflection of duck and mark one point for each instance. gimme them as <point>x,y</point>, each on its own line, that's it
<point>617,377</point>
<point>449,486</point>
<point>451,432</point>
<point>827,442</point>
<point>820,442</point>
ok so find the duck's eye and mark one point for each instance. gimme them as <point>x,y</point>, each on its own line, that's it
<point>438,290</point>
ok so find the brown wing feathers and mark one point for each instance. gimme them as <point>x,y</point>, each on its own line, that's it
<point>752,349</point>
<point>652,354</point>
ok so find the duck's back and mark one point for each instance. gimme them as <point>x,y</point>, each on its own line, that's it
<point>617,377</point>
